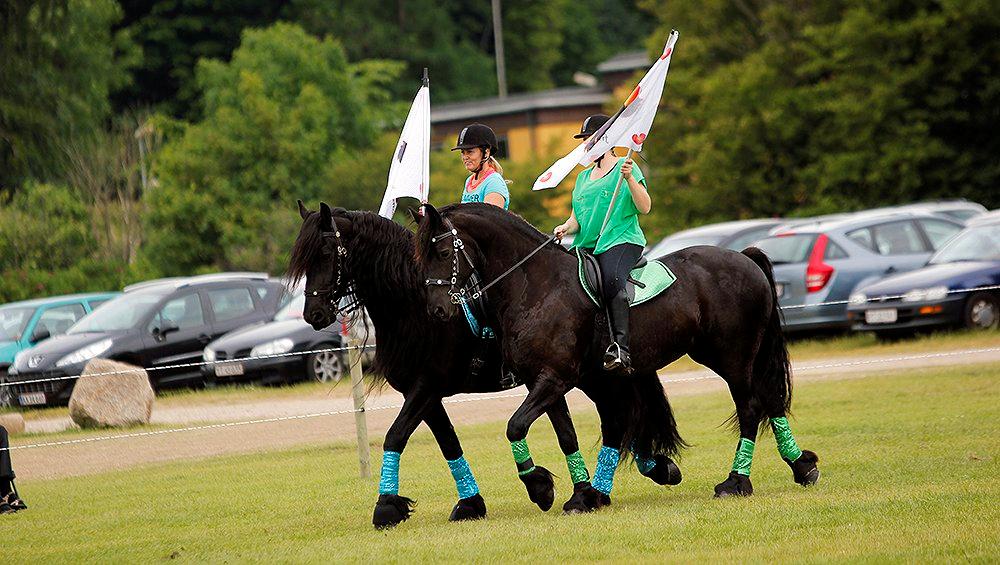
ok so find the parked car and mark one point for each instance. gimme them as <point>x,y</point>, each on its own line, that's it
<point>27,323</point>
<point>825,262</point>
<point>933,296</point>
<point>955,209</point>
<point>287,333</point>
<point>157,324</point>
<point>731,235</point>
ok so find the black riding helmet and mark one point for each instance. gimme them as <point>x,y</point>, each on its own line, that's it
<point>591,125</point>
<point>477,135</point>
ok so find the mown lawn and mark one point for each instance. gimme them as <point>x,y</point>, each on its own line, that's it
<point>909,466</point>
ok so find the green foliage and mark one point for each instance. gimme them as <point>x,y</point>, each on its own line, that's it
<point>774,108</point>
<point>61,61</point>
<point>275,117</point>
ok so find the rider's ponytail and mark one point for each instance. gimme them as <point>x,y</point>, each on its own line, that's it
<point>496,166</point>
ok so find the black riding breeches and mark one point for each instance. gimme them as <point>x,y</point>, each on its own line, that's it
<point>6,471</point>
<point>616,264</point>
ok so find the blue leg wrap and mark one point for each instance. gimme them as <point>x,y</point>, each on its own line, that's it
<point>464,481</point>
<point>389,483</point>
<point>644,465</point>
<point>604,475</point>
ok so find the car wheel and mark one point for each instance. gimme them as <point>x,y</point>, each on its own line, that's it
<point>325,367</point>
<point>981,311</point>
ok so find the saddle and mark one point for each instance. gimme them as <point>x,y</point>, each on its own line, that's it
<point>650,278</point>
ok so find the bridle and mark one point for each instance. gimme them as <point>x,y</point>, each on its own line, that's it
<point>470,290</point>
<point>331,295</point>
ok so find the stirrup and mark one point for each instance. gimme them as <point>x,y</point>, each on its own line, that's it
<point>613,357</point>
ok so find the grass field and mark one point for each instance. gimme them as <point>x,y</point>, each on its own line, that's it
<point>909,466</point>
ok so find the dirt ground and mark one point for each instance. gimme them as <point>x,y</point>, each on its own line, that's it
<point>306,429</point>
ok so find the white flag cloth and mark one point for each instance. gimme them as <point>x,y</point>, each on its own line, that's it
<point>628,128</point>
<point>409,174</point>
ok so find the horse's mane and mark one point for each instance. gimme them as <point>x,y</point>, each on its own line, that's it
<point>306,250</point>
<point>511,222</point>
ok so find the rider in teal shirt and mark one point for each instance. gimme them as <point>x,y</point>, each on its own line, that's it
<point>479,145</point>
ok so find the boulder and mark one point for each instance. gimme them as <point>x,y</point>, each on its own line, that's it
<point>13,421</point>
<point>111,400</point>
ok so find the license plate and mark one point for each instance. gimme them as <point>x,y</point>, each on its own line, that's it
<point>779,289</point>
<point>31,398</point>
<point>881,316</point>
<point>228,369</point>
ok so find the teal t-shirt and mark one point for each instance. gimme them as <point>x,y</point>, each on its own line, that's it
<point>590,204</point>
<point>492,183</point>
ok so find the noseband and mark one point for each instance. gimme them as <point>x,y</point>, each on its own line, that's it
<point>470,290</point>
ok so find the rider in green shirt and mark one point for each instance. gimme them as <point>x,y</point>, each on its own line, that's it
<point>619,247</point>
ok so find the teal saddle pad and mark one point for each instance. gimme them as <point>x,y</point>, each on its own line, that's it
<point>654,276</point>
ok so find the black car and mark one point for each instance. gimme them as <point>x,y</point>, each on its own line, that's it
<point>942,293</point>
<point>288,333</point>
<point>156,324</point>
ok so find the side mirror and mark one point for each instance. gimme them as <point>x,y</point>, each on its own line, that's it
<point>168,328</point>
<point>41,333</point>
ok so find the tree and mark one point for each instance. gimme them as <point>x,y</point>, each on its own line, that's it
<point>275,117</point>
<point>60,63</point>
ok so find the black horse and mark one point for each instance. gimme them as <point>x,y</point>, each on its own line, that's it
<point>722,311</point>
<point>423,358</point>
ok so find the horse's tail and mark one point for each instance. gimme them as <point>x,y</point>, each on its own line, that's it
<point>650,428</point>
<point>771,382</point>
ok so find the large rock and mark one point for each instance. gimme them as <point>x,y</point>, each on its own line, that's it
<point>14,423</point>
<point>111,400</point>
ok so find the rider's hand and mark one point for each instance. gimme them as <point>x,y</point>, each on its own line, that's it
<point>627,169</point>
<point>560,231</point>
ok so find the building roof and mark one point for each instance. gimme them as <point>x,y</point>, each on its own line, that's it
<point>565,97</point>
<point>621,62</point>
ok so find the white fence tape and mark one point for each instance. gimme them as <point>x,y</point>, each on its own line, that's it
<point>880,299</point>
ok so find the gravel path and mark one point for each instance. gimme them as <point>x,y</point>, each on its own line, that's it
<point>96,457</point>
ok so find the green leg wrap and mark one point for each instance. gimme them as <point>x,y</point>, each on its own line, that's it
<point>522,457</point>
<point>744,457</point>
<point>577,468</point>
<point>786,441</point>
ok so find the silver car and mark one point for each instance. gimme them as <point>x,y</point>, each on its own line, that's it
<point>819,263</point>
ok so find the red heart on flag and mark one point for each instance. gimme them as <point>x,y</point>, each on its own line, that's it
<point>638,138</point>
<point>667,53</point>
<point>545,177</point>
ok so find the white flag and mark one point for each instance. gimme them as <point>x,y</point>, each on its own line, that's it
<point>627,128</point>
<point>409,174</point>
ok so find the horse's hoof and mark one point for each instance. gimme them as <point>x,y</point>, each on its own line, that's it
<point>472,508</point>
<point>541,487</point>
<point>391,509</point>
<point>804,468</point>
<point>665,472</point>
<point>735,485</point>
<point>585,498</point>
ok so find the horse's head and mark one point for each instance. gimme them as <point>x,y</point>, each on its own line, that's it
<point>446,263</point>
<point>319,258</point>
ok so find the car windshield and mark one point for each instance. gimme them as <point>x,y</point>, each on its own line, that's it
<point>787,248</point>
<point>13,320</point>
<point>292,310</point>
<point>670,245</point>
<point>974,244</point>
<point>121,313</point>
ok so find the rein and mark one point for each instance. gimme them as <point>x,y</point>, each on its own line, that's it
<point>471,286</point>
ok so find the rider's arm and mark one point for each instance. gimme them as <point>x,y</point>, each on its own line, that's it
<point>639,195</point>
<point>496,199</point>
<point>567,227</point>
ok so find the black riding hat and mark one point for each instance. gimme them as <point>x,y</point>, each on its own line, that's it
<point>591,125</point>
<point>477,135</point>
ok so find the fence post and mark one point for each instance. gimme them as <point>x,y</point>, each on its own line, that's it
<point>357,391</point>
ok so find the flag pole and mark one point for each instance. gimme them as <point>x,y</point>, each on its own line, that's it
<point>614,195</point>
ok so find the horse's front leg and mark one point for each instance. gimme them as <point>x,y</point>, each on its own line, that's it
<point>471,505</point>
<point>585,497</point>
<point>391,509</point>
<point>537,479</point>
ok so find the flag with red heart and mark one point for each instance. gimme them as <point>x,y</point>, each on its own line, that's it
<point>628,128</point>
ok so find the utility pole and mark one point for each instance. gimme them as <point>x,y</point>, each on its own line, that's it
<point>498,48</point>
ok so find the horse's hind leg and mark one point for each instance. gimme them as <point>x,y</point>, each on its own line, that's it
<point>748,415</point>
<point>802,461</point>
<point>471,505</point>
<point>585,497</point>
<point>537,479</point>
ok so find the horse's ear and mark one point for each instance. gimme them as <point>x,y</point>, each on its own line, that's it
<point>302,210</point>
<point>432,216</point>
<point>325,217</point>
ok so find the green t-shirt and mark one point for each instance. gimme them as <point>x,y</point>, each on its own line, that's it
<point>590,204</point>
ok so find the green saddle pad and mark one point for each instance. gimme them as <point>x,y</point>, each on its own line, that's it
<point>655,276</point>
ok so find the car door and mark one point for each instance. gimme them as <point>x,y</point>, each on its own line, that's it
<point>232,307</point>
<point>901,246</point>
<point>176,334</point>
<point>55,321</point>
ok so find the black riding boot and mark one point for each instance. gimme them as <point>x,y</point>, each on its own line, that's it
<point>617,357</point>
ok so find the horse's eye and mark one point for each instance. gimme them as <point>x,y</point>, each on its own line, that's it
<point>446,253</point>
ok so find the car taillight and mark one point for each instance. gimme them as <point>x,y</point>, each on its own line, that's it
<point>818,273</point>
